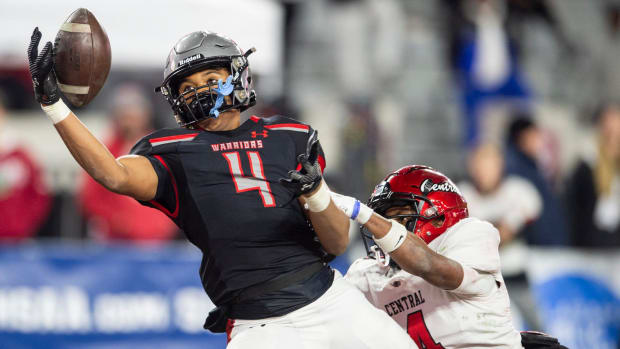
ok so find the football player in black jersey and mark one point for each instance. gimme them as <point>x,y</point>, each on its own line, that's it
<point>250,195</point>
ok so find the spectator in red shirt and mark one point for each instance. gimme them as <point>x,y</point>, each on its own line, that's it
<point>24,198</point>
<point>116,217</point>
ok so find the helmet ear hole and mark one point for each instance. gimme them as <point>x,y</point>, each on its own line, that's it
<point>410,225</point>
<point>174,88</point>
<point>438,222</point>
<point>241,95</point>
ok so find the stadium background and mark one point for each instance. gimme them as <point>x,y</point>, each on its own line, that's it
<point>386,83</point>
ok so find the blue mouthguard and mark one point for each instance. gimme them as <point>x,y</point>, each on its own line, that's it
<point>222,90</point>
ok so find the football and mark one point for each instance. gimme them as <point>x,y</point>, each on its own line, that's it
<point>82,57</point>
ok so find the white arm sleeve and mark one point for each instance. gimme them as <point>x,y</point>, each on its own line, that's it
<point>352,207</point>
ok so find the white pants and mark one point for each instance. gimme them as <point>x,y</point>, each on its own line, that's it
<point>341,318</point>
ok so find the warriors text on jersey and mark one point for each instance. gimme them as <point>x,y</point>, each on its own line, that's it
<point>436,318</point>
<point>222,188</point>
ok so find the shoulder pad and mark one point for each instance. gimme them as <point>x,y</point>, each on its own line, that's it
<point>474,244</point>
<point>280,119</point>
<point>163,141</point>
<point>474,228</point>
<point>283,123</point>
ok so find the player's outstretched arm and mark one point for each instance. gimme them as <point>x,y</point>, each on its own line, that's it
<point>132,175</point>
<point>413,255</point>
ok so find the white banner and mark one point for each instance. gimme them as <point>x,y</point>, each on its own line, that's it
<point>142,32</point>
<point>578,293</point>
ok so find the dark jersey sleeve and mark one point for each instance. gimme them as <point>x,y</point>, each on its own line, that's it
<point>165,162</point>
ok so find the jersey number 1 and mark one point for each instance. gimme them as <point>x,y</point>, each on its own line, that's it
<point>258,182</point>
<point>417,330</point>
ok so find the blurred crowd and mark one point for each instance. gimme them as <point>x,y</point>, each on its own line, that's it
<point>517,98</point>
<point>26,200</point>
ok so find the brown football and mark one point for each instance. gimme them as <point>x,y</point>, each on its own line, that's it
<point>83,57</point>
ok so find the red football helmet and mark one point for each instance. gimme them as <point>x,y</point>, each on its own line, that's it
<point>428,193</point>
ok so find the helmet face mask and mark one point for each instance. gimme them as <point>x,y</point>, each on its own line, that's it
<point>198,103</point>
<point>197,52</point>
<point>427,198</point>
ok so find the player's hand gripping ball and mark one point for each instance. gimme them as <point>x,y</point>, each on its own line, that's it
<point>41,67</point>
<point>77,64</point>
<point>309,176</point>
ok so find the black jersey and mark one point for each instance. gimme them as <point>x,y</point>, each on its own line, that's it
<point>222,189</point>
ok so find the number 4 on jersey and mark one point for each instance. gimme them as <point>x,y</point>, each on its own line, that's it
<point>258,182</point>
<point>417,330</point>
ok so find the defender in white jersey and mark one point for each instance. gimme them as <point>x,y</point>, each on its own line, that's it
<point>443,284</point>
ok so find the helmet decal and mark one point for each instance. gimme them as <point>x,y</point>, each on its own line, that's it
<point>428,186</point>
<point>381,189</point>
<point>190,59</point>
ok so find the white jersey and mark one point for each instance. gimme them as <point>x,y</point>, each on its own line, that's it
<point>436,318</point>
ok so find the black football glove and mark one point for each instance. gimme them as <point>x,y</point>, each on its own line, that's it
<point>41,66</point>
<point>309,176</point>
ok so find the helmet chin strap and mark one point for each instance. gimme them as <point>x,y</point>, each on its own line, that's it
<point>222,90</point>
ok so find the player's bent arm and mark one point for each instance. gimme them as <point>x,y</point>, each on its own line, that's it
<point>332,228</point>
<point>413,255</point>
<point>416,258</point>
<point>131,175</point>
<point>329,222</point>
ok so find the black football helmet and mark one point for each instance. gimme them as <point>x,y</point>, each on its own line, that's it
<point>198,51</point>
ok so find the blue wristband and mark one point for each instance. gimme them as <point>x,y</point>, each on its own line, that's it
<point>356,209</point>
